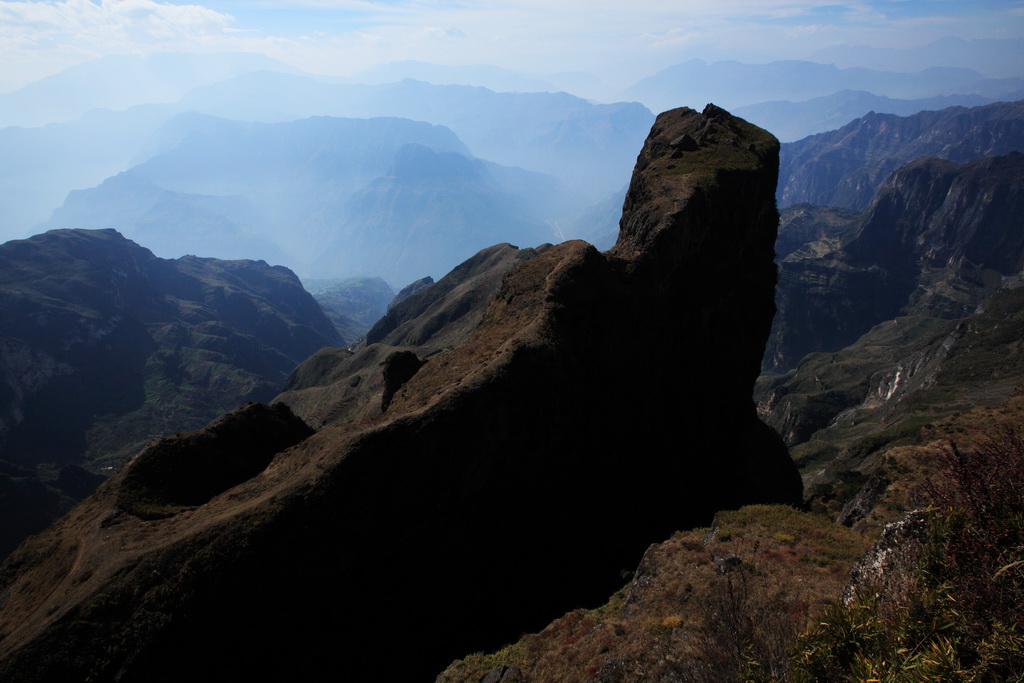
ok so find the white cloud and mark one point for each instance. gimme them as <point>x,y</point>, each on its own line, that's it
<point>37,38</point>
<point>345,36</point>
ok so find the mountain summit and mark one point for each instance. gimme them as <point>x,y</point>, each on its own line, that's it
<point>602,401</point>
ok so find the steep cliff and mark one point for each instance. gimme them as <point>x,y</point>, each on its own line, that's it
<point>938,239</point>
<point>601,402</point>
<point>846,167</point>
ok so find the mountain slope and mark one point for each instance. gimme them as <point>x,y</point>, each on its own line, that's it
<point>104,347</point>
<point>845,167</point>
<point>938,238</point>
<point>501,485</point>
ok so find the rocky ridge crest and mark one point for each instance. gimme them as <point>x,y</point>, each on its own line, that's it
<point>512,477</point>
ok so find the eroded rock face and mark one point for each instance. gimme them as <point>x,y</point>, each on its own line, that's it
<point>938,239</point>
<point>601,402</point>
<point>846,167</point>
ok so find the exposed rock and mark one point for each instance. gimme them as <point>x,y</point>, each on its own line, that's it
<point>846,167</point>
<point>936,241</point>
<point>889,567</point>
<point>512,478</point>
<point>861,505</point>
<point>504,673</point>
<point>186,470</point>
<point>399,368</point>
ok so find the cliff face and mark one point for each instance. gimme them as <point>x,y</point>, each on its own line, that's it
<point>846,167</point>
<point>601,402</point>
<point>936,241</point>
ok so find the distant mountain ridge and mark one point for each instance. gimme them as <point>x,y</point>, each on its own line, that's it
<point>845,167</point>
<point>735,84</point>
<point>120,81</point>
<point>331,197</point>
<point>792,121</point>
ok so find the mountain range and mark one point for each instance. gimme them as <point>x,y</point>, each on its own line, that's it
<point>507,443</point>
<point>379,197</point>
<point>845,167</point>
<point>735,84</point>
<point>104,347</point>
<point>490,454</point>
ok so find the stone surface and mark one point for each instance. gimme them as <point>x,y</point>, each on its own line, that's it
<point>601,402</point>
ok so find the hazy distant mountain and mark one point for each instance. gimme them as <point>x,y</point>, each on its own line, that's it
<point>995,58</point>
<point>735,84</point>
<point>353,304</point>
<point>590,147</point>
<point>330,197</point>
<point>790,121</point>
<point>845,167</point>
<point>492,77</point>
<point>122,81</point>
<point>41,165</point>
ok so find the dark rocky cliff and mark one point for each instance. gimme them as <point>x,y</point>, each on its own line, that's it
<point>846,167</point>
<point>601,402</point>
<point>936,241</point>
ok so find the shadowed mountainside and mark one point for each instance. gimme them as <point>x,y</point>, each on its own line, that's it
<point>512,477</point>
<point>104,347</point>
<point>934,242</point>
<point>846,167</point>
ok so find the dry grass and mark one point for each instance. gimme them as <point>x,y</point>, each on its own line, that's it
<point>682,618</point>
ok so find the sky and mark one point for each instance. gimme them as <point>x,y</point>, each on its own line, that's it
<point>537,37</point>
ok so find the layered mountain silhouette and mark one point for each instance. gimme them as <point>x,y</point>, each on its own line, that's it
<point>104,347</point>
<point>736,84</point>
<point>846,167</point>
<point>383,197</point>
<point>540,443</point>
<point>792,121</point>
<point>589,147</point>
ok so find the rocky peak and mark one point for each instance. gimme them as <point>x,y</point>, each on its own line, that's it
<point>601,402</point>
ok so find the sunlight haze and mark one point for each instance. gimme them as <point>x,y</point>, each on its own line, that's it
<point>616,43</point>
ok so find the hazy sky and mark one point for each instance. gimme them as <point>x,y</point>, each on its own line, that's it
<point>342,37</point>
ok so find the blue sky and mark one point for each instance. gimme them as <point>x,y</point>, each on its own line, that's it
<point>343,37</point>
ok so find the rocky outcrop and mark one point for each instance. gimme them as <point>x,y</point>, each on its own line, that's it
<point>937,240</point>
<point>846,167</point>
<point>889,568</point>
<point>601,402</point>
